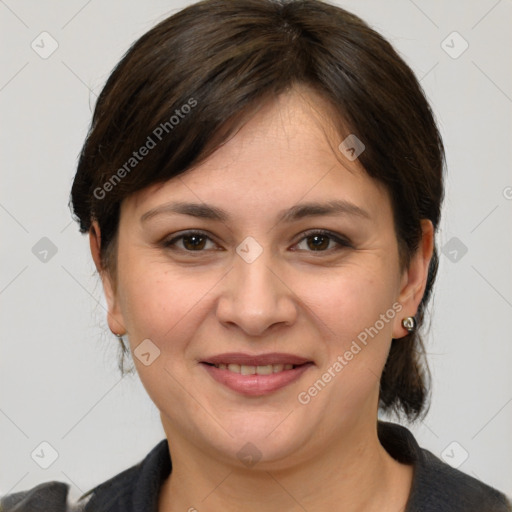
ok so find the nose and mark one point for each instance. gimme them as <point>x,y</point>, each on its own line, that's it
<point>256,296</point>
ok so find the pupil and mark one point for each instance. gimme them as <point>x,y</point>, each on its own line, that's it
<point>321,239</point>
<point>193,241</point>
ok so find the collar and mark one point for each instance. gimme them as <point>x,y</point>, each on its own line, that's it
<point>436,486</point>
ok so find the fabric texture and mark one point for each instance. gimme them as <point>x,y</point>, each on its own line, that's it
<point>436,486</point>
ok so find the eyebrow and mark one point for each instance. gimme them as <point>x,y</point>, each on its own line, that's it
<point>297,212</point>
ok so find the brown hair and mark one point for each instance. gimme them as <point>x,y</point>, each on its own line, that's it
<point>183,82</point>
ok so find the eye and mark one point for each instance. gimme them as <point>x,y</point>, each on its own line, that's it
<point>322,241</point>
<point>192,241</point>
<point>314,240</point>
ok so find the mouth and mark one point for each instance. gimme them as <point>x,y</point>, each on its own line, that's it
<point>256,375</point>
<point>245,369</point>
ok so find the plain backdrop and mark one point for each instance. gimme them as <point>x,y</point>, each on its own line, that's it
<point>59,382</point>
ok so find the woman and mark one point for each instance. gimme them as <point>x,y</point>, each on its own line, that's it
<point>261,186</point>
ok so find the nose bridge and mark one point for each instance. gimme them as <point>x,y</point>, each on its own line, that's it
<point>254,297</point>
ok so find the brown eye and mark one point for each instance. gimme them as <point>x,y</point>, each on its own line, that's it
<point>322,241</point>
<point>189,242</point>
<point>318,242</point>
<point>194,242</point>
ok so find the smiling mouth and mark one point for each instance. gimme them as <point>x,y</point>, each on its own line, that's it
<point>243,369</point>
<point>256,375</point>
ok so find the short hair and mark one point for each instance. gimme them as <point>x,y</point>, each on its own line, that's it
<point>185,81</point>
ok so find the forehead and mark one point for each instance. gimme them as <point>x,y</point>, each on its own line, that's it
<point>284,151</point>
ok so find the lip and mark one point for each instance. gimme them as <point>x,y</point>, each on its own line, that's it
<point>256,385</point>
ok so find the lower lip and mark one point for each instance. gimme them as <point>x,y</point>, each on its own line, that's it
<point>256,385</point>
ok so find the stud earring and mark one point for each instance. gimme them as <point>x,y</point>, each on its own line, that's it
<point>409,323</point>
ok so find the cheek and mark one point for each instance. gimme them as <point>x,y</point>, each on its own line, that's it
<point>166,308</point>
<point>354,311</point>
<point>162,304</point>
<point>165,303</point>
<point>351,299</point>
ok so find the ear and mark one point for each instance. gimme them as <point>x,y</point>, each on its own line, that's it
<point>414,278</point>
<point>114,315</point>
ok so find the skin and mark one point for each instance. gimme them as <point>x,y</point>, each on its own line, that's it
<point>324,455</point>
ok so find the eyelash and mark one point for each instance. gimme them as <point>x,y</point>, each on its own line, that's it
<point>342,242</point>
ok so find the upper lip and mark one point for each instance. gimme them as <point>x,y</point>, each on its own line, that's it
<point>256,360</point>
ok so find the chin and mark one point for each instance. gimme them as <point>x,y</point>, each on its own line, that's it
<point>270,440</point>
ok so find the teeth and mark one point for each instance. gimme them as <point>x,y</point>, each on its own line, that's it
<point>252,370</point>
<point>264,370</point>
<point>247,370</point>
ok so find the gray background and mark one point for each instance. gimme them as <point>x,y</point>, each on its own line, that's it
<point>58,377</point>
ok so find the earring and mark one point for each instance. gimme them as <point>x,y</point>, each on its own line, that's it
<point>409,323</point>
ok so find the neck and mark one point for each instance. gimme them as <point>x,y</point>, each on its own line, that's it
<point>356,473</point>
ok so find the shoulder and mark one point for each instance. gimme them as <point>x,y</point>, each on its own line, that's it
<point>440,485</point>
<point>436,486</point>
<point>135,488</point>
<point>53,496</point>
<point>47,496</point>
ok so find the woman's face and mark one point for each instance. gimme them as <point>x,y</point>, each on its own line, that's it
<point>256,284</point>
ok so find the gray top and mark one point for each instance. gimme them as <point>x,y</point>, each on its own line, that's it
<point>436,486</point>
